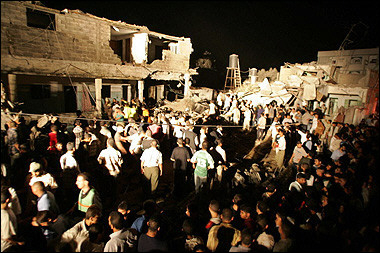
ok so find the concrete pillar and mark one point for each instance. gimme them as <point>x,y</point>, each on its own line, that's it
<point>129,93</point>
<point>140,85</point>
<point>98,94</point>
<point>187,85</point>
<point>123,51</point>
<point>12,87</point>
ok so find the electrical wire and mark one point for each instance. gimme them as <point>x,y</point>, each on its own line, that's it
<point>107,120</point>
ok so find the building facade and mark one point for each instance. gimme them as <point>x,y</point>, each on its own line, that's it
<point>62,61</point>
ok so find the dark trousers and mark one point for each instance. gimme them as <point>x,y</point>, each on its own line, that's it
<point>179,182</point>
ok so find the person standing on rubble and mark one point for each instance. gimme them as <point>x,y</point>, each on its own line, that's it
<point>227,103</point>
<point>212,110</point>
<point>220,99</point>
<point>261,126</point>
<point>247,118</point>
<point>236,115</point>
<point>280,146</point>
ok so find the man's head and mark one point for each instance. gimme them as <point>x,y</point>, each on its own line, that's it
<point>59,146</point>
<point>245,211</point>
<point>214,206</point>
<point>317,161</point>
<point>246,237</point>
<point>70,146</point>
<point>227,215</point>
<point>116,221</point>
<point>110,142</point>
<point>154,224</point>
<point>188,227</point>
<point>38,188</point>
<point>82,181</point>
<point>205,145</point>
<point>301,178</point>
<point>154,144</point>
<point>34,167</point>
<point>180,142</point>
<point>93,214</point>
<point>123,208</point>
<point>192,209</point>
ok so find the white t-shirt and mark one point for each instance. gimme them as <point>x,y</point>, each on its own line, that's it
<point>298,154</point>
<point>47,179</point>
<point>281,144</point>
<point>8,227</point>
<point>151,157</point>
<point>112,159</point>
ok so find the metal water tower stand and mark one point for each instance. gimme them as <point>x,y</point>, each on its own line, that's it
<point>233,78</point>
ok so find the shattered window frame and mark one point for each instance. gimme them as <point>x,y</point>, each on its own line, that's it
<point>40,19</point>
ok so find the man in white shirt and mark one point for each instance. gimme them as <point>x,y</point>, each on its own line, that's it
<point>298,153</point>
<point>111,158</point>
<point>227,103</point>
<point>306,117</point>
<point>8,224</point>
<point>151,167</point>
<point>68,160</point>
<point>288,119</point>
<point>136,140</point>
<point>280,146</point>
<point>247,118</point>
<point>341,151</point>
<point>314,123</point>
<point>79,232</point>
<point>261,127</point>
<point>70,170</point>
<point>121,240</point>
<point>212,110</point>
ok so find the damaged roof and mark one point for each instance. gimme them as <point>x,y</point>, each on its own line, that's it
<point>118,24</point>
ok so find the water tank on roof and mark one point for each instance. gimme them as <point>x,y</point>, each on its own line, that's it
<point>234,59</point>
<point>253,72</point>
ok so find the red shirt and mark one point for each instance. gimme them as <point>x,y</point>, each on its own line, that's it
<point>53,140</point>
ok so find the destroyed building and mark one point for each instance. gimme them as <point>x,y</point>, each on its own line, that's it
<point>62,61</point>
<point>346,82</point>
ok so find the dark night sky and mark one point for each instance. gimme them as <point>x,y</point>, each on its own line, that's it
<point>263,33</point>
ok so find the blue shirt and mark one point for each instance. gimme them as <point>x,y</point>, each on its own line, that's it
<point>139,223</point>
<point>47,203</point>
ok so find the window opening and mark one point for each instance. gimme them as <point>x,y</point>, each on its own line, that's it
<point>40,19</point>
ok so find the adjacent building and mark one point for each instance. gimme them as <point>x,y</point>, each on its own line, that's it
<point>346,81</point>
<point>62,61</point>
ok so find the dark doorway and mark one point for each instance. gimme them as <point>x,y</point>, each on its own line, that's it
<point>70,99</point>
<point>106,91</point>
<point>125,92</point>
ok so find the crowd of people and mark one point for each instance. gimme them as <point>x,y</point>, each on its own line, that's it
<point>64,185</point>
